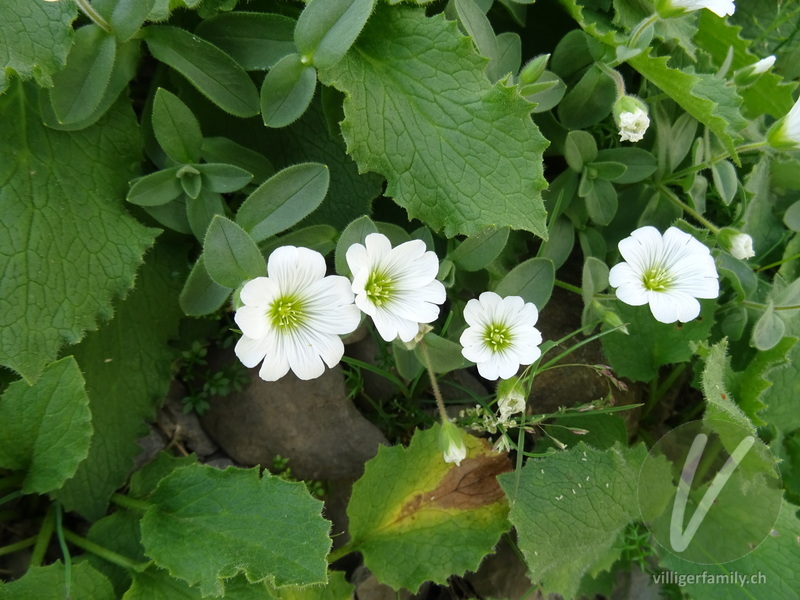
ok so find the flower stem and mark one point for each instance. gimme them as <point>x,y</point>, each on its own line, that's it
<point>131,503</point>
<point>615,76</point>
<point>90,12</point>
<point>11,548</point>
<point>686,208</point>
<point>657,390</point>
<point>568,286</point>
<point>711,162</point>
<point>44,537</point>
<point>105,553</point>
<point>641,27</point>
<point>764,306</point>
<point>62,542</point>
<point>340,552</point>
<point>778,263</point>
<point>434,384</point>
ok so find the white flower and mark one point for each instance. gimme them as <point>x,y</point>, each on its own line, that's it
<point>721,8</point>
<point>764,65</point>
<point>667,272</point>
<point>742,246</point>
<point>501,335</point>
<point>785,134</point>
<point>397,287</point>
<point>451,440</point>
<point>633,125</point>
<point>292,319</point>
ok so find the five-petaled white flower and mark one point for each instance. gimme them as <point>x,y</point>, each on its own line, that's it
<point>785,134</point>
<point>292,318</point>
<point>397,287</point>
<point>721,8</point>
<point>667,272</point>
<point>501,335</point>
<point>633,125</point>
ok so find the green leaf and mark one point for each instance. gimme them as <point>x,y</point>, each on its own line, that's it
<point>50,583</point>
<point>569,508</point>
<point>562,239</point>
<point>128,16</point>
<point>223,178</point>
<point>650,344</point>
<point>509,47</point>
<point>283,200</point>
<point>287,91</point>
<point>579,149</point>
<point>440,518</point>
<point>478,251</point>
<point>751,385</point>
<point>595,278</point>
<point>781,396</point>
<point>127,365</point>
<point>768,330</point>
<point>268,528</point>
<point>337,588</point>
<point>355,233</point>
<point>546,93</point>
<point>707,98</point>
<point>54,287</point>
<point>466,160</point>
<point>145,480</point>
<point>719,404</point>
<point>176,128</point>
<point>321,238</point>
<point>26,25</point>
<point>156,188</point>
<point>201,295</point>
<point>257,41</point>
<point>532,280</point>
<point>445,355</point>
<point>477,26</point>
<point>220,149</point>
<point>601,201</point>
<point>201,211</point>
<point>608,170</point>
<point>639,163</point>
<point>231,256</point>
<point>589,102</point>
<point>80,86</point>
<point>215,74</point>
<point>47,427</point>
<point>327,28</point>
<point>726,180</point>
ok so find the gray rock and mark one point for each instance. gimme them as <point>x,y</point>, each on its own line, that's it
<point>312,423</point>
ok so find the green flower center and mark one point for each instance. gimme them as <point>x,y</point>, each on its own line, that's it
<point>379,288</point>
<point>657,279</point>
<point>497,336</point>
<point>286,312</point>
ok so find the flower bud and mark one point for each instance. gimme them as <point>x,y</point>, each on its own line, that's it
<point>785,134</point>
<point>676,8</point>
<point>451,440</point>
<point>749,74</point>
<point>630,115</point>
<point>423,329</point>
<point>740,245</point>
<point>510,398</point>
<point>533,69</point>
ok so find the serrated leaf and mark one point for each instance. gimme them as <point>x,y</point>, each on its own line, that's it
<point>326,29</point>
<point>50,583</point>
<point>256,41</point>
<point>35,39</point>
<point>176,128</point>
<point>781,396</point>
<point>287,91</point>
<point>338,588</point>
<point>532,280</point>
<point>416,518</point>
<point>127,369</point>
<point>650,344</point>
<point>268,529</point>
<point>752,384</point>
<point>569,508</point>
<point>719,403</point>
<point>706,97</point>
<point>215,74</point>
<point>458,153</point>
<point>47,427</point>
<point>53,286</point>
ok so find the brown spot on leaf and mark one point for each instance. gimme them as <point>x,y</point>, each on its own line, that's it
<point>467,487</point>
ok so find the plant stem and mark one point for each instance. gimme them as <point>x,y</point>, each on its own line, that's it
<point>778,263</point>
<point>90,12</point>
<point>686,208</point>
<point>105,553</point>
<point>641,27</point>
<point>568,286</point>
<point>340,552</point>
<point>64,550</point>
<point>44,537</point>
<point>11,496</point>
<point>434,384</point>
<point>131,503</point>
<point>615,77</point>
<point>11,548</point>
<point>764,306</point>
<point>709,163</point>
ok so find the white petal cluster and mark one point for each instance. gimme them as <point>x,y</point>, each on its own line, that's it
<point>397,287</point>
<point>292,318</point>
<point>501,335</point>
<point>721,8</point>
<point>785,134</point>
<point>667,272</point>
<point>633,125</point>
<point>742,246</point>
<point>764,65</point>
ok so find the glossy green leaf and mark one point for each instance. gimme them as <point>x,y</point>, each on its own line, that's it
<point>201,295</point>
<point>546,93</point>
<point>215,74</point>
<point>270,529</point>
<point>532,280</point>
<point>231,256</point>
<point>287,91</point>
<point>53,288</point>
<point>327,28</point>
<point>608,170</point>
<point>256,41</point>
<point>176,128</point>
<point>223,178</point>
<point>80,86</point>
<point>476,252</point>
<point>283,200</point>
<point>476,158</point>
<point>47,427</point>
<point>442,519</point>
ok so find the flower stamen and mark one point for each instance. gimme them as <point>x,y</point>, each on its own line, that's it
<point>378,288</point>
<point>657,279</point>
<point>286,312</point>
<point>497,337</point>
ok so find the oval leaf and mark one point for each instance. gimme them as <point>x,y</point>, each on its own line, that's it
<point>287,91</point>
<point>222,178</point>
<point>176,128</point>
<point>355,233</point>
<point>769,329</point>
<point>327,28</point>
<point>215,74</point>
<point>231,256</point>
<point>128,16</point>
<point>478,251</point>
<point>156,188</point>
<point>283,200</point>
<point>201,210</point>
<point>532,280</point>
<point>201,295</point>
